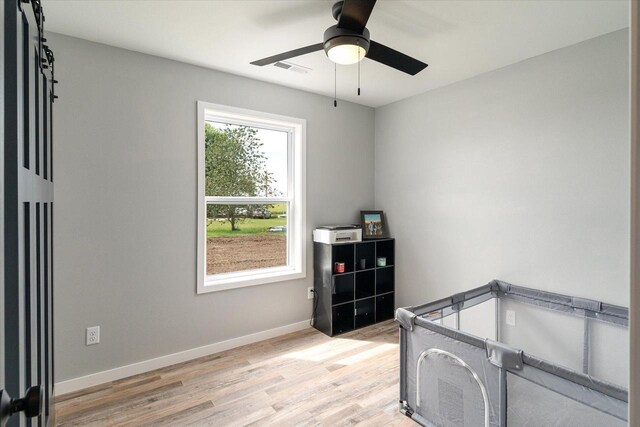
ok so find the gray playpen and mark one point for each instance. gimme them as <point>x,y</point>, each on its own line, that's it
<point>505,355</point>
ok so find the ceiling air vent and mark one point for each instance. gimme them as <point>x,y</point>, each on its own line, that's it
<point>292,67</point>
<point>282,65</point>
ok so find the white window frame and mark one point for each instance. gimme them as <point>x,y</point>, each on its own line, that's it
<point>296,215</point>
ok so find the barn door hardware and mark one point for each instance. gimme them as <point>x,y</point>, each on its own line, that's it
<point>51,60</point>
<point>30,404</point>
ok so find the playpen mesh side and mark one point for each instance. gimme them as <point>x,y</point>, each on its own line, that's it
<point>450,383</point>
<point>532,404</point>
<point>450,393</point>
<point>583,344</point>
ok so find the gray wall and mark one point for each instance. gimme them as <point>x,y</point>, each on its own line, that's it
<point>520,174</point>
<point>125,203</point>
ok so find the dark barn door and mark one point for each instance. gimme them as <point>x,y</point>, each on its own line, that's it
<point>26,211</point>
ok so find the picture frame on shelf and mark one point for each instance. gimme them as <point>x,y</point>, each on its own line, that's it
<point>374,225</point>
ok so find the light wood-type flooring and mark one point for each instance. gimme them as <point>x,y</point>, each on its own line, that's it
<point>300,379</point>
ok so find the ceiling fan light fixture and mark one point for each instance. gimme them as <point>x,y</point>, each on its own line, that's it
<point>346,54</point>
<point>345,47</point>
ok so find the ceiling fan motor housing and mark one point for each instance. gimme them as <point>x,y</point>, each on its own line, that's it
<point>336,10</point>
<point>335,36</point>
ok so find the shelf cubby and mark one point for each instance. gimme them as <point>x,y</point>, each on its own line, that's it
<point>365,313</point>
<point>386,249</point>
<point>365,284</point>
<point>384,280</point>
<point>343,253</point>
<point>385,307</point>
<point>366,252</point>
<point>343,288</point>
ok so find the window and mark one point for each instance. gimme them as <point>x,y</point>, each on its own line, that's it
<point>251,207</point>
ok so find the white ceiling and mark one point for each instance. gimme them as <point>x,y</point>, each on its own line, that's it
<point>458,39</point>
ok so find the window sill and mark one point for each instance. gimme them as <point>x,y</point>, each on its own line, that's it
<point>226,281</point>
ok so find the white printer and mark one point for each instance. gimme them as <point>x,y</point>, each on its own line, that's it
<point>331,234</point>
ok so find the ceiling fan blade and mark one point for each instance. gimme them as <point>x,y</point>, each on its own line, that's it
<point>398,60</point>
<point>291,54</point>
<point>355,14</point>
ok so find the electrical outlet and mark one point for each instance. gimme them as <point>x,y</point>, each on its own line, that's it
<point>511,318</point>
<point>309,293</point>
<point>93,335</point>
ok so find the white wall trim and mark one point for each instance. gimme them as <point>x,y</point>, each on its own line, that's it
<point>91,380</point>
<point>634,286</point>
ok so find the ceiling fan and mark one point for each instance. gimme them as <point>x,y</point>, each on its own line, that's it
<point>348,41</point>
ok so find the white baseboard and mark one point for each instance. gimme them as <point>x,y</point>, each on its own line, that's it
<point>91,380</point>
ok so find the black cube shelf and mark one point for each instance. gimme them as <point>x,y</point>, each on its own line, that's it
<point>361,295</point>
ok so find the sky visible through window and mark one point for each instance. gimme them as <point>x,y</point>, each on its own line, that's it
<point>274,147</point>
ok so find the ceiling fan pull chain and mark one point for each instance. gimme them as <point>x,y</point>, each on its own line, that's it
<point>335,84</point>
<point>359,61</point>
